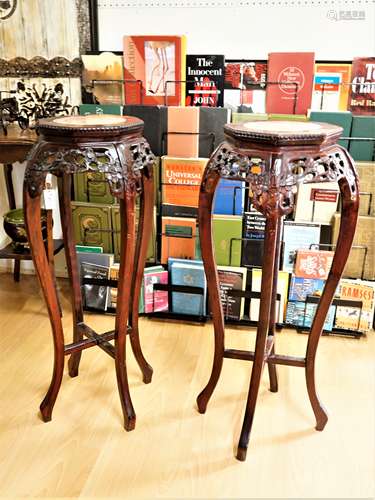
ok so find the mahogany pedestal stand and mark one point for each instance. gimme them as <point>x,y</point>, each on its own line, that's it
<point>273,158</point>
<point>112,145</point>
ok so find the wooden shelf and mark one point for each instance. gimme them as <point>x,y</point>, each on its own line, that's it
<point>8,252</point>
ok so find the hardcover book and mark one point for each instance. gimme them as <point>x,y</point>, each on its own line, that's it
<point>92,225</point>
<point>97,73</point>
<point>341,118</point>
<point>245,85</point>
<point>159,62</point>
<point>302,314</point>
<point>95,296</point>
<point>294,72</point>
<point>229,197</point>
<point>204,80</point>
<point>92,187</point>
<point>227,234</point>
<point>314,264</point>
<point>178,238</point>
<point>155,300</point>
<point>282,289</point>
<point>362,89</point>
<point>155,120</point>
<point>211,128</point>
<point>363,126</point>
<point>188,274</point>
<point>298,235</point>
<point>344,72</point>
<point>254,225</point>
<point>301,288</point>
<point>232,278</point>
<point>317,202</point>
<point>359,290</point>
<point>360,260</point>
<point>100,109</point>
<point>183,132</point>
<point>181,179</point>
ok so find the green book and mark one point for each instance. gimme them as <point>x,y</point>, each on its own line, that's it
<point>227,233</point>
<point>341,118</point>
<point>92,187</point>
<point>248,117</point>
<point>100,109</point>
<point>88,249</point>
<point>363,126</point>
<point>116,224</point>
<point>287,117</point>
<point>92,225</point>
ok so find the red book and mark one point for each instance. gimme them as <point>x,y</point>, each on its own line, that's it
<point>295,73</point>
<point>362,89</point>
<point>158,62</point>
<point>313,264</point>
<point>155,300</point>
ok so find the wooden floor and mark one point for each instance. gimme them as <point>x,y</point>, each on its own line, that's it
<point>174,452</point>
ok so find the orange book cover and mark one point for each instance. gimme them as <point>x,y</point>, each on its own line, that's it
<point>178,238</point>
<point>159,62</point>
<point>183,129</point>
<point>345,71</point>
<point>313,264</point>
<point>181,179</point>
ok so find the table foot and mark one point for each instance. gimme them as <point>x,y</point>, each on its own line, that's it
<point>241,453</point>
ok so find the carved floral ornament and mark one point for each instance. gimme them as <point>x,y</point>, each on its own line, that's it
<point>40,67</point>
<point>7,9</point>
<point>121,175</point>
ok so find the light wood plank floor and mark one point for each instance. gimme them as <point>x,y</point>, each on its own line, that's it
<point>174,452</point>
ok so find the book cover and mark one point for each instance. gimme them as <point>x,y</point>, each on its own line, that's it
<point>159,62</point>
<point>301,288</point>
<point>95,258</point>
<point>183,132</point>
<point>326,91</point>
<point>97,73</point>
<point>362,255</point>
<point>282,289</point>
<point>347,318</point>
<point>248,117</point>
<point>294,72</point>
<point>181,179</point>
<point>302,314</point>
<point>229,197</point>
<point>254,225</point>
<point>244,85</point>
<point>95,296</point>
<point>314,264</point>
<point>178,238</point>
<point>287,116</point>
<point>155,120</point>
<point>227,234</point>
<point>343,119</point>
<point>362,88</point>
<point>188,274</point>
<point>92,187</point>
<point>298,235</point>
<point>317,202</point>
<point>155,300</point>
<point>204,80</point>
<point>363,291</point>
<point>363,126</point>
<point>211,128</point>
<point>100,109</point>
<point>366,174</point>
<point>92,225</point>
<point>232,278</point>
<point>87,249</point>
<point>344,71</point>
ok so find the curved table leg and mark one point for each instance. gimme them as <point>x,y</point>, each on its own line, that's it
<point>38,251</point>
<point>349,215</point>
<point>72,265</point>
<point>262,330</point>
<point>206,198</point>
<point>272,371</point>
<point>145,223</point>
<point>127,213</point>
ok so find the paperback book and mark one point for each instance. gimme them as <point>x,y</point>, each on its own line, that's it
<point>301,314</point>
<point>254,225</point>
<point>229,197</point>
<point>204,80</point>
<point>301,288</point>
<point>227,237</point>
<point>183,132</point>
<point>155,300</point>
<point>99,75</point>
<point>190,275</point>
<point>314,264</point>
<point>178,238</point>
<point>362,88</point>
<point>338,95</point>
<point>296,236</point>
<point>282,289</point>
<point>232,278</point>
<point>245,86</point>
<point>359,290</point>
<point>95,296</point>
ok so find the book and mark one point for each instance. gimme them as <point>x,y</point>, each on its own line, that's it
<point>287,116</point>
<point>92,187</point>
<point>100,109</point>
<point>87,249</point>
<point>343,119</point>
<point>348,318</point>
<point>282,289</point>
<point>298,235</point>
<point>102,67</point>
<point>204,80</point>
<point>326,92</point>
<point>155,120</point>
<point>294,73</point>
<point>302,314</point>
<point>112,293</point>
<point>362,88</point>
<point>359,259</point>
<point>95,258</point>
<point>313,264</point>
<point>178,238</point>
<point>94,296</point>
<point>116,225</point>
<point>229,197</point>
<point>254,225</point>
<point>344,72</point>
<point>245,85</point>
<point>181,179</point>
<point>183,132</point>
<point>159,62</point>
<point>359,290</point>
<point>366,174</point>
<point>188,274</point>
<point>232,278</point>
<point>92,225</point>
<point>211,128</point>
<point>155,300</point>
<point>227,234</point>
<point>248,117</point>
<point>363,126</point>
<point>317,202</point>
<point>300,288</point>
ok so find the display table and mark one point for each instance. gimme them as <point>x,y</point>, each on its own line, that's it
<point>273,158</point>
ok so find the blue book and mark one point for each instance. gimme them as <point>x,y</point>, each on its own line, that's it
<point>302,314</point>
<point>176,260</point>
<point>300,288</point>
<point>229,197</point>
<point>297,236</point>
<point>193,275</point>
